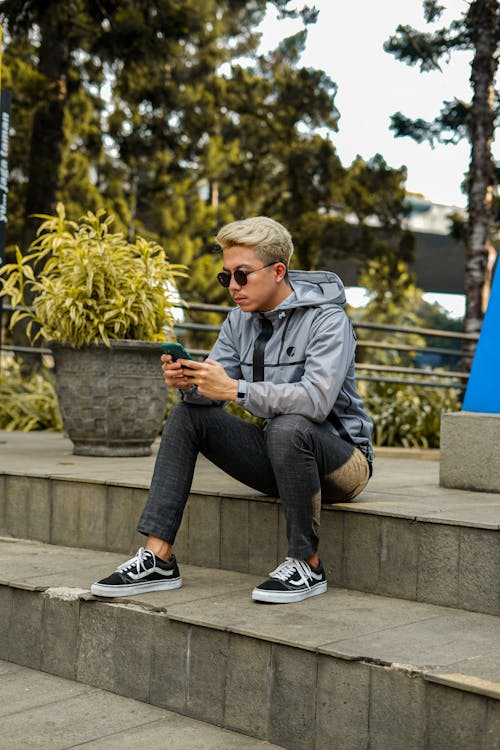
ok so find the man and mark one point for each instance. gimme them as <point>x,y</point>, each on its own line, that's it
<point>285,353</point>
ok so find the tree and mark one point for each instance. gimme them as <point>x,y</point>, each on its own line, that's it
<point>265,156</point>
<point>477,30</point>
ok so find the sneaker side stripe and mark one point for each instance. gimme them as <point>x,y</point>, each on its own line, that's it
<point>146,573</point>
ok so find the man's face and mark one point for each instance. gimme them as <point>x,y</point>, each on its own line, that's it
<point>264,289</point>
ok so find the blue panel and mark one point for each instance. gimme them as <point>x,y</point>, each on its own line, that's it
<point>483,388</point>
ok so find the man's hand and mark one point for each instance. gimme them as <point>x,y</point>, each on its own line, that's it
<point>211,378</point>
<point>173,373</point>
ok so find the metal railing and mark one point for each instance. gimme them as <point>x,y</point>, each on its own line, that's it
<point>431,377</point>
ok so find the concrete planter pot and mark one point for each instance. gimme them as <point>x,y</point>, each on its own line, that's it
<point>112,400</point>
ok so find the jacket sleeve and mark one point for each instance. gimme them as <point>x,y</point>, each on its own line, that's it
<point>329,355</point>
<point>224,352</point>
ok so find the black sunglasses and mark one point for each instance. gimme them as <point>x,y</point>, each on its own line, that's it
<point>240,276</point>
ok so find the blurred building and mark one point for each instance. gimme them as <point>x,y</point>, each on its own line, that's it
<point>439,259</point>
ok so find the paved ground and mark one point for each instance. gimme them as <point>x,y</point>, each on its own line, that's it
<point>41,711</point>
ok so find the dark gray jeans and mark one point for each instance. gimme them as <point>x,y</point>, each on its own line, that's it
<point>297,460</point>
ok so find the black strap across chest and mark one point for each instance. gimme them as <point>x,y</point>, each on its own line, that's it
<point>259,347</point>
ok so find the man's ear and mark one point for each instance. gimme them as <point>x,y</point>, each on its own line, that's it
<point>281,270</point>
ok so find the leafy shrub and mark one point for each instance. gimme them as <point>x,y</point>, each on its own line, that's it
<point>89,284</point>
<point>27,402</point>
<point>407,415</point>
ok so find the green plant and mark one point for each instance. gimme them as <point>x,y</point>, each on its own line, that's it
<point>407,415</point>
<point>87,284</point>
<point>27,403</point>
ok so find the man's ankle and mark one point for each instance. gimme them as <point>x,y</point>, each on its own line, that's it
<point>160,548</point>
<point>313,560</point>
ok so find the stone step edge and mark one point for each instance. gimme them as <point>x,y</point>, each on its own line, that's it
<point>350,507</point>
<point>463,682</point>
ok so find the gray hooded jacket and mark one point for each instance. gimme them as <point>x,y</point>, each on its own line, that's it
<point>308,361</point>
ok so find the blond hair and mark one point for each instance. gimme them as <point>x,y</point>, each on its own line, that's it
<point>269,239</point>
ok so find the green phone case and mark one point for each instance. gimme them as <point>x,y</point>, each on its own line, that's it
<point>176,350</point>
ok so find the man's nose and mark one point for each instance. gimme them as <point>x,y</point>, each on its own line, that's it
<point>233,284</point>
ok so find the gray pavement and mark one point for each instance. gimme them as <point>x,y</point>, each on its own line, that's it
<point>43,712</point>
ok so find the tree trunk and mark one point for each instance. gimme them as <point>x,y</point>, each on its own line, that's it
<point>48,135</point>
<point>46,148</point>
<point>482,21</point>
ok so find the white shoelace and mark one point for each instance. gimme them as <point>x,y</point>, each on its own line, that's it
<point>137,560</point>
<point>289,567</point>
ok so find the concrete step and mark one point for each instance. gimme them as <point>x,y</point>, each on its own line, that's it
<point>38,710</point>
<point>343,670</point>
<point>404,536</point>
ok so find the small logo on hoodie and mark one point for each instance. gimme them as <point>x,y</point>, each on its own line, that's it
<point>290,351</point>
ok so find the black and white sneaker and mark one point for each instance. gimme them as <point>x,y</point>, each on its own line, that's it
<point>142,573</point>
<point>292,581</point>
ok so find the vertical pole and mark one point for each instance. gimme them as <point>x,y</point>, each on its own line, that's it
<point>4,167</point>
<point>4,173</point>
<point>1,251</point>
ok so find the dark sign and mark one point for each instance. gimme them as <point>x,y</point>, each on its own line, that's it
<point>4,167</point>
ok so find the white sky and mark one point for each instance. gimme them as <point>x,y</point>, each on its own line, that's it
<point>347,43</point>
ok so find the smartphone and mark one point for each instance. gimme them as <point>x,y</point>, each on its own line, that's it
<point>176,350</point>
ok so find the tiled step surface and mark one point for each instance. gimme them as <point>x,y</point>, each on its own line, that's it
<point>38,710</point>
<point>343,670</point>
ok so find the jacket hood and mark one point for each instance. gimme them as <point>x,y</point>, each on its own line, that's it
<point>315,288</point>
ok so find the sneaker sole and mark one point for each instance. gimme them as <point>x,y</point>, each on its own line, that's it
<point>132,589</point>
<point>283,597</point>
